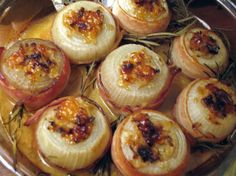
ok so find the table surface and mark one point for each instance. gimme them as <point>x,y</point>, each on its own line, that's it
<point>221,20</point>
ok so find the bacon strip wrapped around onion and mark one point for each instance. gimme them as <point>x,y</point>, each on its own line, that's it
<point>34,72</point>
<point>71,133</point>
<point>199,53</point>
<point>206,109</point>
<point>86,31</point>
<point>134,77</point>
<point>147,143</point>
<point>142,17</point>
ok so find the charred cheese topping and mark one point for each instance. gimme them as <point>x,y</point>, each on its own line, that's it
<point>149,141</point>
<point>210,105</point>
<point>33,65</point>
<point>137,69</point>
<point>204,43</point>
<point>152,134</point>
<point>36,60</point>
<point>219,101</point>
<point>86,23</point>
<point>148,9</point>
<point>72,121</point>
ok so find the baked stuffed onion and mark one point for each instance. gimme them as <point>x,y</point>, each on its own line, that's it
<point>133,77</point>
<point>71,133</point>
<point>34,72</point>
<point>149,143</point>
<point>142,17</point>
<point>206,110</point>
<point>198,52</point>
<point>85,31</point>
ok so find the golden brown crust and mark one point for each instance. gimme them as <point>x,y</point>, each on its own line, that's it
<point>182,116</point>
<point>185,62</point>
<point>197,65</point>
<point>124,165</point>
<point>38,115</point>
<point>134,25</point>
<point>128,109</point>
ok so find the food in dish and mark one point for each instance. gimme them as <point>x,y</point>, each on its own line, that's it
<point>206,110</point>
<point>198,52</point>
<point>85,31</point>
<point>133,77</point>
<point>142,17</point>
<point>71,133</point>
<point>33,72</point>
<point>26,139</point>
<point>149,143</point>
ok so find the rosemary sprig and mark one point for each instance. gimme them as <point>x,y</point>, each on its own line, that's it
<point>229,141</point>
<point>116,122</point>
<point>103,167</point>
<point>148,43</point>
<point>88,79</point>
<point>158,35</point>
<point>179,8</point>
<point>15,116</point>
<point>44,174</point>
<point>226,75</point>
<point>155,39</point>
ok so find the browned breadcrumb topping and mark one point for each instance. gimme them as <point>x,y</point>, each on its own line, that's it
<point>148,8</point>
<point>201,41</point>
<point>218,101</point>
<point>72,121</point>
<point>85,22</point>
<point>35,60</point>
<point>152,134</point>
<point>137,69</point>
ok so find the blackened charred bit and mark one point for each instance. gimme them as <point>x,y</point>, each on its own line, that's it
<point>208,100</point>
<point>157,70</point>
<point>150,133</point>
<point>81,12</point>
<point>36,56</point>
<point>49,62</point>
<point>213,49</point>
<point>82,26</point>
<point>147,155</point>
<point>219,101</point>
<point>44,66</point>
<point>98,12</point>
<point>127,67</point>
<point>33,44</point>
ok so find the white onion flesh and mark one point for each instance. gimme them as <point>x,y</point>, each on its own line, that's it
<point>173,157</point>
<point>193,63</point>
<point>191,111</point>
<point>133,95</point>
<point>80,155</point>
<point>136,19</point>
<point>74,46</point>
<point>18,76</point>
<point>131,8</point>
